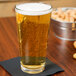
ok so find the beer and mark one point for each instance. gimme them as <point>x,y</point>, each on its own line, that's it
<point>33,21</point>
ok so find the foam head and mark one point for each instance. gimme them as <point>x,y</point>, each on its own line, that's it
<point>33,8</point>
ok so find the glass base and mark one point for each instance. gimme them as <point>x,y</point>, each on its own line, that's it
<point>32,69</point>
<point>65,38</point>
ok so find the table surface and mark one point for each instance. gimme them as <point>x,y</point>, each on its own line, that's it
<point>59,51</point>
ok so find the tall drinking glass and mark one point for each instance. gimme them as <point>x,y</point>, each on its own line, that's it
<point>33,20</point>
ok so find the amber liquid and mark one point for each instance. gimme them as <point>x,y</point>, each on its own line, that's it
<point>33,36</point>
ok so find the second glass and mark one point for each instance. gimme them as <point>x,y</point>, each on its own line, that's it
<point>33,20</point>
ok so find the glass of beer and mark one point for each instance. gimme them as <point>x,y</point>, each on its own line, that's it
<point>33,20</point>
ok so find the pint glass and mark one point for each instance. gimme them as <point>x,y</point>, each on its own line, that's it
<point>33,20</point>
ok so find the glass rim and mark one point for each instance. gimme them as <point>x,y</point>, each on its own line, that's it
<point>17,9</point>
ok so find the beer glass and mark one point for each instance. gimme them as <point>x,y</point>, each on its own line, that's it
<point>33,20</point>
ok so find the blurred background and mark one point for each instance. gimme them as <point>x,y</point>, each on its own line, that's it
<point>7,6</point>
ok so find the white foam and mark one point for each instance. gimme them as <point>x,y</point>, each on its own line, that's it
<point>33,8</point>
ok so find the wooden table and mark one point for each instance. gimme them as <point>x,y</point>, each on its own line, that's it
<point>59,51</point>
